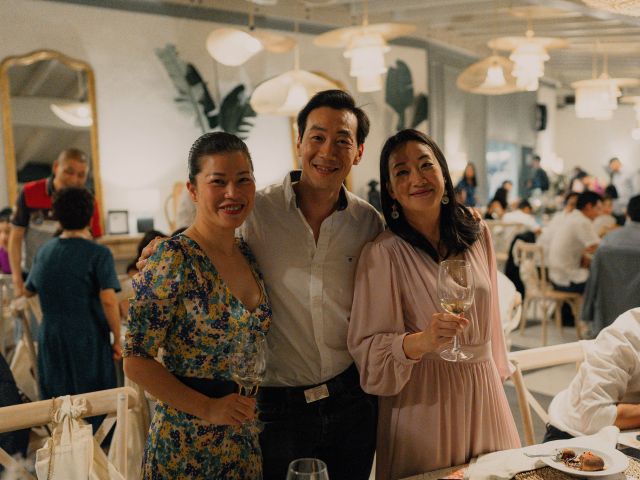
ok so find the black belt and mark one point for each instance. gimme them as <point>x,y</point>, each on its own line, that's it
<point>210,387</point>
<point>341,383</point>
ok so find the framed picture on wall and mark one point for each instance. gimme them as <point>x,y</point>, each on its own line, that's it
<point>118,222</point>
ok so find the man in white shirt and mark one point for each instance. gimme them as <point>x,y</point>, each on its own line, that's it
<point>623,183</point>
<point>306,234</point>
<point>573,241</point>
<point>606,390</point>
<point>523,215</point>
<point>549,230</point>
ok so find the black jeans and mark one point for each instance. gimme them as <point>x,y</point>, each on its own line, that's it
<point>339,429</point>
<point>554,433</point>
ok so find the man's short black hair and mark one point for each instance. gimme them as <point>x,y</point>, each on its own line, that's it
<point>73,207</point>
<point>5,214</point>
<point>633,209</point>
<point>587,198</point>
<point>338,100</point>
<point>524,204</point>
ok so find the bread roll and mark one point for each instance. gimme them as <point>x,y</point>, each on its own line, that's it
<point>590,462</point>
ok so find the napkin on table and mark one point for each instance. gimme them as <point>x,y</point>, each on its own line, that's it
<point>507,463</point>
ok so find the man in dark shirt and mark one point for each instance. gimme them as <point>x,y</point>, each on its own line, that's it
<point>33,223</point>
<point>538,177</point>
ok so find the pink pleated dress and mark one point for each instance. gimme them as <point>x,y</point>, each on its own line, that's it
<point>432,413</point>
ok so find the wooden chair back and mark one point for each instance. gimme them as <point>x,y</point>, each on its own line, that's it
<point>114,403</point>
<point>534,359</point>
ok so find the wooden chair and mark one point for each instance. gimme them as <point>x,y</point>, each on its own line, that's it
<point>537,358</point>
<point>538,290</point>
<point>502,234</point>
<point>172,203</point>
<point>114,403</point>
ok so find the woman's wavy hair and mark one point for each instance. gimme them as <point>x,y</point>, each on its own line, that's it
<point>458,228</point>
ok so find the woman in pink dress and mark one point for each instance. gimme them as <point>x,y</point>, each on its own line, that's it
<point>432,413</point>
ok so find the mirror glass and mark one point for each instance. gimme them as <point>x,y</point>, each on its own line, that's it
<point>48,103</point>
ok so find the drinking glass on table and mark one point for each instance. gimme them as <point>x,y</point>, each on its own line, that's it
<point>308,469</point>
<point>455,292</point>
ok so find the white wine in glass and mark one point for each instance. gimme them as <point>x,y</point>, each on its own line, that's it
<point>455,292</point>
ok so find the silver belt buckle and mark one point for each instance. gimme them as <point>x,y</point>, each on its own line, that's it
<point>316,393</point>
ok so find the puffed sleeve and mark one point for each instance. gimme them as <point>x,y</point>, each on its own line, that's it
<point>377,329</point>
<point>157,295</point>
<point>498,347</point>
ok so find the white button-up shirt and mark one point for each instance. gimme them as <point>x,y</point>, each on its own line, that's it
<point>567,246</point>
<point>609,375</point>
<point>310,285</point>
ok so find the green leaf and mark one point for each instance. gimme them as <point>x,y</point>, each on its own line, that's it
<point>399,90</point>
<point>234,110</point>
<point>420,109</point>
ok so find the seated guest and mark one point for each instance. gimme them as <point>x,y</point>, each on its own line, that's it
<point>558,219</point>
<point>627,236</point>
<point>606,390</point>
<point>495,210</point>
<point>432,413</point>
<point>76,281</point>
<point>571,244</point>
<point>132,269</point>
<point>5,229</point>
<point>523,215</point>
<point>605,222</point>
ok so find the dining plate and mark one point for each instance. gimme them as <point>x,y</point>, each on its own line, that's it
<point>614,462</point>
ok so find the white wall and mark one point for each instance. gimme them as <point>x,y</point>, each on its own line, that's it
<point>546,139</point>
<point>589,144</point>
<point>144,138</point>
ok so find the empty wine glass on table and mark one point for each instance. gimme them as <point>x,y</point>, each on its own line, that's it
<point>308,469</point>
<point>455,292</point>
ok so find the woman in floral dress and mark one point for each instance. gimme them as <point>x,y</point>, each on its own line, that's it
<point>198,292</point>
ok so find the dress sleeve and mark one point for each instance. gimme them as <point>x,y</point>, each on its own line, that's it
<point>20,216</point>
<point>157,293</point>
<point>498,347</point>
<point>106,271</point>
<point>96,226</point>
<point>376,328</point>
<point>33,279</point>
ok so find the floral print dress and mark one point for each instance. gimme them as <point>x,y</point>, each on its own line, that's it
<point>183,306</point>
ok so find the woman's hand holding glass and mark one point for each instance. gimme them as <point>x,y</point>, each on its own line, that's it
<point>442,329</point>
<point>233,409</point>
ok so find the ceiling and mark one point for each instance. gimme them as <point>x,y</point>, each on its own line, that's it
<point>467,26</point>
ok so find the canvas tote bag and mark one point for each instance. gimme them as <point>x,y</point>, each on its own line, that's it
<point>68,454</point>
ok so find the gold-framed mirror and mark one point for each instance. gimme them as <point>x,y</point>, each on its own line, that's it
<point>48,104</point>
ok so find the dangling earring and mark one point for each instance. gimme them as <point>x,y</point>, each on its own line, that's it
<point>395,214</point>
<point>445,199</point>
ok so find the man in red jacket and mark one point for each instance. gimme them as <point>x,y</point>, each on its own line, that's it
<point>32,221</point>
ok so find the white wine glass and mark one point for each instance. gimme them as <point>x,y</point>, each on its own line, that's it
<point>247,367</point>
<point>455,292</point>
<point>248,361</point>
<point>308,469</point>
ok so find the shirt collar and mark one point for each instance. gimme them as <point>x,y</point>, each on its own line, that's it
<point>290,195</point>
